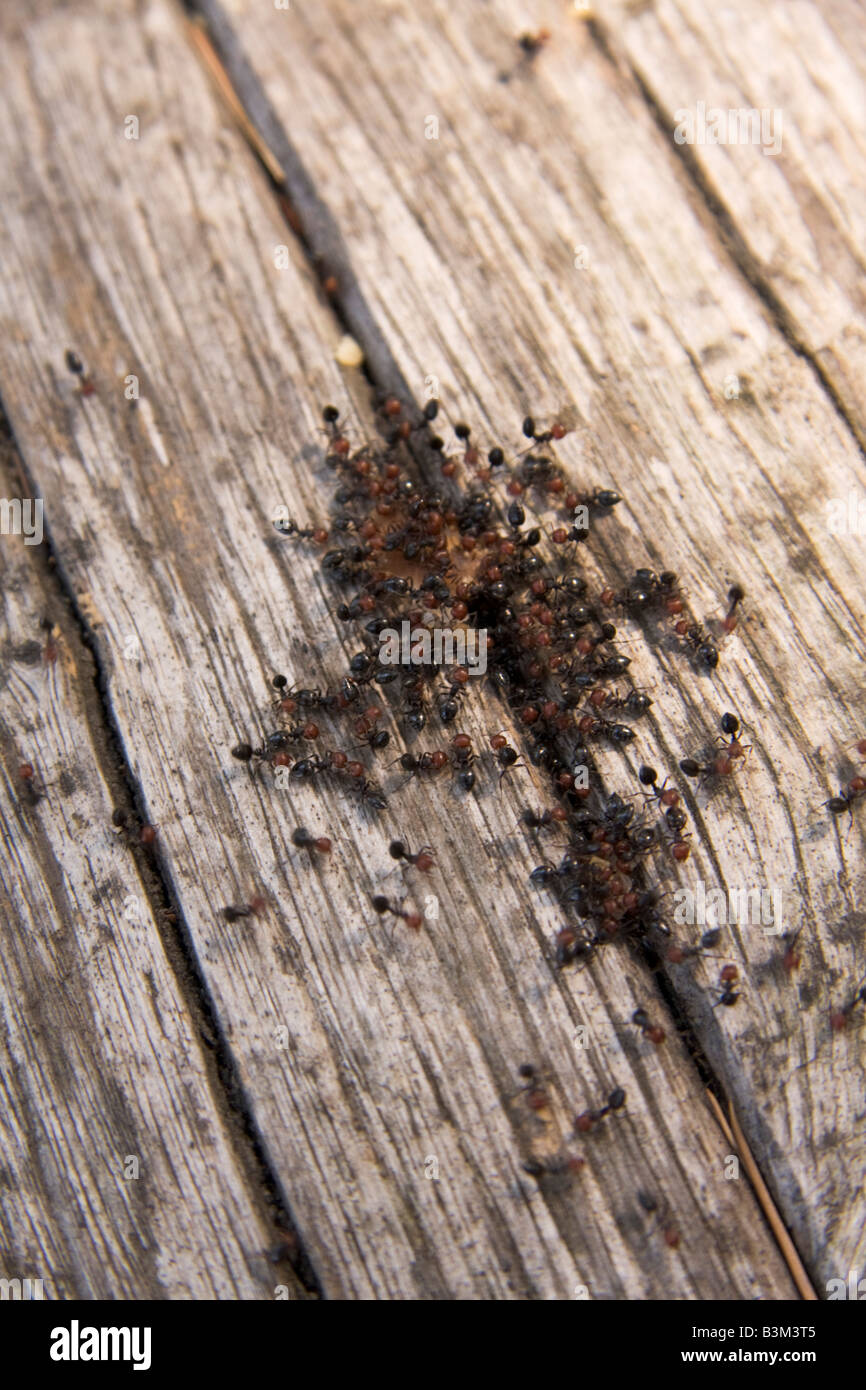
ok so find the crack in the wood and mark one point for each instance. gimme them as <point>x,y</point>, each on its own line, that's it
<point>223,1074</point>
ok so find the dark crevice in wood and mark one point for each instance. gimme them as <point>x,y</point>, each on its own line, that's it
<point>221,1067</point>
<point>732,239</point>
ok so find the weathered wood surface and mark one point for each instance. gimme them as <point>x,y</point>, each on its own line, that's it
<point>794,220</point>
<point>475,284</point>
<point>122,1177</point>
<point>155,258</point>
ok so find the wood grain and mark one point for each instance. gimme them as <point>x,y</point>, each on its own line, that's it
<point>156,258</point>
<point>550,247</point>
<point>120,1175</point>
<point>795,220</point>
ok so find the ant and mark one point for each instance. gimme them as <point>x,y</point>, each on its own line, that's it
<point>650,1030</point>
<point>633,702</point>
<point>590,1118</point>
<point>704,648</point>
<point>423,860</point>
<point>75,365</point>
<point>124,826</point>
<point>675,955</point>
<point>590,725</point>
<point>572,945</point>
<point>536,1096</point>
<point>31,793</point>
<point>288,527</point>
<point>372,795</point>
<point>536,820</point>
<point>648,777</point>
<point>235,912</point>
<point>722,763</point>
<point>414,763</point>
<point>463,758</point>
<point>727,978</point>
<point>847,796</point>
<point>792,959</point>
<point>450,706</point>
<point>735,597</point>
<point>374,738</point>
<point>569,1163</point>
<point>839,1017</point>
<point>49,652</point>
<point>304,840</point>
<point>506,756</point>
<point>384,905</point>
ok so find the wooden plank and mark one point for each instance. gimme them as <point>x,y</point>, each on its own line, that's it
<point>122,1174</point>
<point>547,247</point>
<point>796,216</point>
<point>156,258</point>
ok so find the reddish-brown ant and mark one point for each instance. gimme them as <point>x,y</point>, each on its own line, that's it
<point>735,598</point>
<point>422,860</point>
<point>722,764</point>
<point>236,912</point>
<point>537,820</point>
<point>536,1096</point>
<point>383,905</point>
<point>590,1118</point>
<point>304,840</point>
<point>75,365</point>
<point>650,1030</point>
<point>839,1017</point>
<point>506,756</point>
<point>848,795</point>
<point>463,757</point>
<point>125,825</point>
<point>675,955</point>
<point>728,975</point>
<point>29,790</point>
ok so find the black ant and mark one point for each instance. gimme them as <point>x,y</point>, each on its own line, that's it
<point>450,706</point>
<point>617,734</point>
<point>506,756</point>
<point>372,795</point>
<point>633,702</point>
<point>376,738</point>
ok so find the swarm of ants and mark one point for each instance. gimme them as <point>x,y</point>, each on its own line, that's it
<point>462,555</point>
